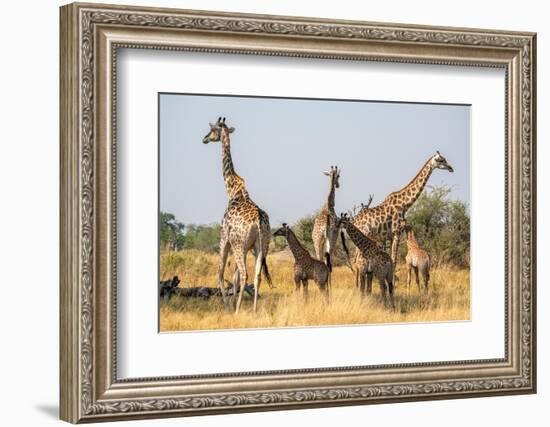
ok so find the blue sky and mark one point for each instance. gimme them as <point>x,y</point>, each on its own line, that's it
<point>281,146</point>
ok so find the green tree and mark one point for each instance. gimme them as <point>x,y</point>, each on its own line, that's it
<point>171,232</point>
<point>303,230</point>
<point>175,236</point>
<point>276,244</point>
<point>442,226</point>
<point>205,238</point>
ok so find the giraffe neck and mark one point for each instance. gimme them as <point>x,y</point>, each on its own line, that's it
<point>228,169</point>
<point>300,253</point>
<point>359,239</point>
<point>412,191</point>
<point>331,194</point>
<point>234,184</point>
<point>411,240</point>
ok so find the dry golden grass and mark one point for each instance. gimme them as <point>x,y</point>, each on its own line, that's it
<point>448,298</point>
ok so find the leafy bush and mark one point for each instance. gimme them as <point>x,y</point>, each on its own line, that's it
<point>303,229</point>
<point>171,232</point>
<point>175,236</point>
<point>442,227</point>
<point>202,237</point>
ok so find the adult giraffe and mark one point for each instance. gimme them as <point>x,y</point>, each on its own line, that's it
<point>244,225</point>
<point>325,230</point>
<point>389,216</point>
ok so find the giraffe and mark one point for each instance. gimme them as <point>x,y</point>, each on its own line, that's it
<point>416,259</point>
<point>306,267</point>
<point>244,226</point>
<point>377,263</point>
<point>325,232</point>
<point>351,213</point>
<point>389,216</point>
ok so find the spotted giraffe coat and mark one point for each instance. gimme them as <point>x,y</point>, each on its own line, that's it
<point>388,218</point>
<point>325,225</point>
<point>417,260</point>
<point>305,266</point>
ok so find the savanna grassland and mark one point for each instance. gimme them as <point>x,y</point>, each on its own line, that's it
<point>448,297</point>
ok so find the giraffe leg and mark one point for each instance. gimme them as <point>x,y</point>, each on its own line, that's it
<point>327,259</point>
<point>257,277</point>
<point>370,277</point>
<point>369,283</point>
<point>426,277</point>
<point>304,287</point>
<point>357,269</point>
<point>408,279</point>
<point>389,278</point>
<point>361,283</point>
<point>325,285</point>
<point>298,283</point>
<point>236,281</point>
<point>327,291</point>
<point>382,283</point>
<point>394,249</point>
<point>240,259</point>
<point>224,252</point>
<point>357,277</point>
<point>416,277</point>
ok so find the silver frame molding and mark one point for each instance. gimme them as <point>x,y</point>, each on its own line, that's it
<point>90,37</point>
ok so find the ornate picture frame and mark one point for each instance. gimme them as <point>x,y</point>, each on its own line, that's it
<point>90,37</point>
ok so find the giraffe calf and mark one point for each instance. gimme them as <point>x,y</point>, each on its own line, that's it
<point>306,267</point>
<point>417,260</point>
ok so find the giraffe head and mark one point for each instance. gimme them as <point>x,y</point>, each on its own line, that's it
<point>439,162</point>
<point>216,130</point>
<point>284,231</point>
<point>344,219</point>
<point>334,175</point>
<point>409,231</point>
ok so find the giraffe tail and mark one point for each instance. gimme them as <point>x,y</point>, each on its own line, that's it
<point>266,273</point>
<point>346,250</point>
<point>265,270</point>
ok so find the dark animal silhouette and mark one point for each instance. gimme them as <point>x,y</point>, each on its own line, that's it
<point>167,288</point>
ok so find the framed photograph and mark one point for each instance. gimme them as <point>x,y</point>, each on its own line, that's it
<point>266,212</point>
